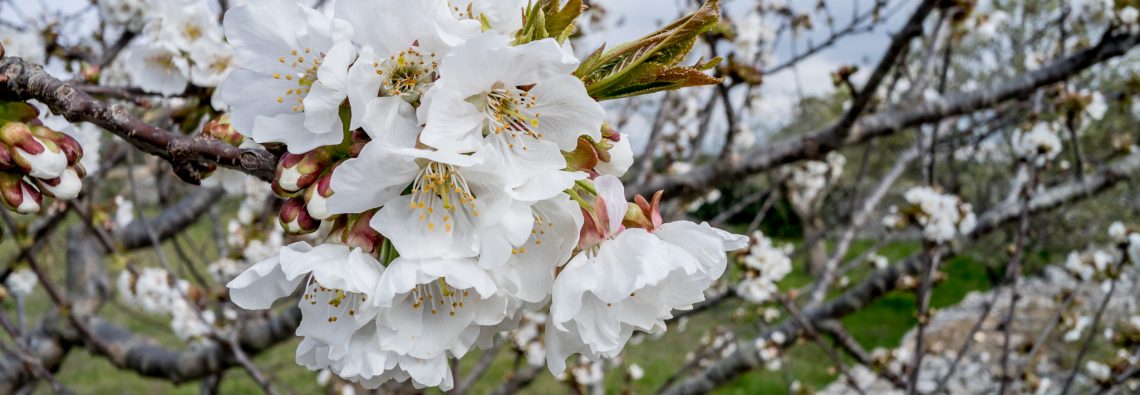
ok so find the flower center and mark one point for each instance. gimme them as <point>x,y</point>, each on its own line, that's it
<point>164,60</point>
<point>338,302</point>
<point>192,32</point>
<point>439,193</point>
<point>407,73</point>
<point>304,66</point>
<point>461,11</point>
<point>437,296</point>
<point>221,63</point>
<point>541,224</point>
<point>509,112</point>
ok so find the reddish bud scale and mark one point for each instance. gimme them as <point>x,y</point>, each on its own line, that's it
<point>296,172</point>
<point>221,129</point>
<point>70,147</point>
<point>583,158</point>
<point>7,164</point>
<point>359,139</point>
<point>295,218</point>
<point>360,233</point>
<point>644,214</point>
<point>14,192</point>
<point>19,135</point>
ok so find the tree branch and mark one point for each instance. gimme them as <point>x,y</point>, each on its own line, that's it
<point>20,80</point>
<point>817,143</point>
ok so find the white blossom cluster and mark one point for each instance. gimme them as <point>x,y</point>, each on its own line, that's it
<point>764,266</point>
<point>942,217</point>
<point>1089,265</point>
<point>807,181</point>
<point>24,43</point>
<point>458,212</point>
<point>21,282</point>
<point>1039,145</point>
<point>156,291</point>
<point>129,14</point>
<point>752,34</point>
<point>770,350</point>
<point>986,25</point>
<point>182,44</point>
<point>1127,238</point>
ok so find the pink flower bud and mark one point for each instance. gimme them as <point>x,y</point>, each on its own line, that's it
<point>36,156</point>
<point>317,197</point>
<point>297,172</point>
<point>295,218</point>
<point>71,148</point>
<point>65,187</point>
<point>360,233</point>
<point>221,129</point>
<point>18,195</point>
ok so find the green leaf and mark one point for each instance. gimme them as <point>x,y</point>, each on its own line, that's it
<point>17,112</point>
<point>549,19</point>
<point>649,64</point>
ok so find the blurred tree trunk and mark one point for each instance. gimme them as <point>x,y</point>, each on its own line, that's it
<point>814,233</point>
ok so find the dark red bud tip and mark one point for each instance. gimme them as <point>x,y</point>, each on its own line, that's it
<point>295,218</point>
<point>69,146</point>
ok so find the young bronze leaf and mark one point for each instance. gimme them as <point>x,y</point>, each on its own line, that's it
<point>649,64</point>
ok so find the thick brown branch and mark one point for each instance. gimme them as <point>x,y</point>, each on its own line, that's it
<point>20,80</point>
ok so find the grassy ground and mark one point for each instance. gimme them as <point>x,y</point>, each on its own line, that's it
<point>880,325</point>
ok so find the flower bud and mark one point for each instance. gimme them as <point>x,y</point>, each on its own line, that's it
<point>7,164</point>
<point>296,172</point>
<point>359,139</point>
<point>65,187</point>
<point>36,156</point>
<point>221,129</point>
<point>295,218</point>
<point>360,234</point>
<point>67,144</point>
<point>18,195</point>
<point>317,197</point>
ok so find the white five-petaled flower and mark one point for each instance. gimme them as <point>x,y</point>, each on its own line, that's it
<point>522,101</point>
<point>370,365</point>
<point>627,280</point>
<point>294,74</point>
<point>338,283</point>
<point>450,198</point>
<point>1039,145</point>
<point>398,59</point>
<point>528,272</point>
<point>158,67</point>
<point>436,305</point>
<point>503,16</point>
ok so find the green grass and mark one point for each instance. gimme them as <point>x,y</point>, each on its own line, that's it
<point>881,324</point>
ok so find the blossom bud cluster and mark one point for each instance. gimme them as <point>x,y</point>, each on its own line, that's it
<point>941,217</point>
<point>36,161</point>
<point>470,188</point>
<point>764,266</point>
